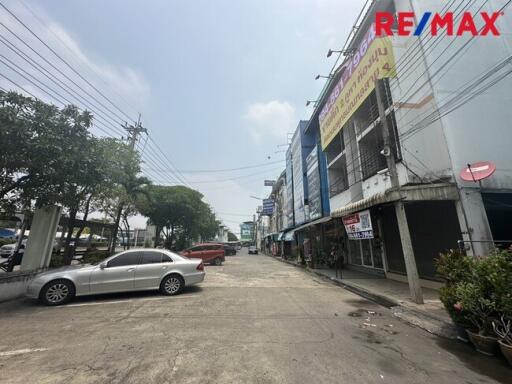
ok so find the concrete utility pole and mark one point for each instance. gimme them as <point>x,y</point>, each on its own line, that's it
<point>134,131</point>
<point>133,135</point>
<point>403,225</point>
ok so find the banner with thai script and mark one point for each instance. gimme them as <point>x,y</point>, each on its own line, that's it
<point>373,60</point>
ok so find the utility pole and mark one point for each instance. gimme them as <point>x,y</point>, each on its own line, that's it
<point>403,225</point>
<point>133,135</point>
<point>134,131</point>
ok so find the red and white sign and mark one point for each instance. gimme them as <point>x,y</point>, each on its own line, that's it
<point>359,225</point>
<point>477,171</point>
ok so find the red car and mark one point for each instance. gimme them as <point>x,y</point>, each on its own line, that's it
<point>208,252</point>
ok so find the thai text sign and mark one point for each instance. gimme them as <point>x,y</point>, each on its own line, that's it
<point>268,207</point>
<point>359,225</point>
<point>373,60</point>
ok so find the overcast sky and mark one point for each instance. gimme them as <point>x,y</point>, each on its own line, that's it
<point>219,83</point>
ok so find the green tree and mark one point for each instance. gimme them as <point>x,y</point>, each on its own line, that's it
<point>178,213</point>
<point>50,157</point>
<point>232,236</point>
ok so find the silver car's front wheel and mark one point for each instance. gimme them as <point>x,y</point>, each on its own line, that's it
<point>172,285</point>
<point>57,292</point>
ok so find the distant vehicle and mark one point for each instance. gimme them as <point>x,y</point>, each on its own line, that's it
<point>212,253</point>
<point>133,270</point>
<point>229,250</point>
<point>7,250</point>
<point>7,234</point>
<point>253,250</point>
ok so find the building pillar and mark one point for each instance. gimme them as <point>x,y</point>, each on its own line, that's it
<point>478,231</point>
<point>39,247</point>
<point>410,262</point>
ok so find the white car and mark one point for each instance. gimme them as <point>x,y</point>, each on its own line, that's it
<point>133,270</point>
<point>253,250</point>
<point>7,250</point>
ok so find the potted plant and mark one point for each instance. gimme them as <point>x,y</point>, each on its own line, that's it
<point>503,329</point>
<point>481,312</point>
<point>454,268</point>
<point>448,297</point>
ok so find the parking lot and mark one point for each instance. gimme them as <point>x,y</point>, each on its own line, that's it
<point>253,320</point>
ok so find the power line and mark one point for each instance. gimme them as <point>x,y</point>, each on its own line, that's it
<point>65,62</point>
<point>65,45</point>
<point>59,83</point>
<point>230,169</point>
<point>56,68</point>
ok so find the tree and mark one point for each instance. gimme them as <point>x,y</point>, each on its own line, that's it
<point>232,236</point>
<point>45,150</point>
<point>178,213</point>
<point>50,157</point>
<point>126,185</point>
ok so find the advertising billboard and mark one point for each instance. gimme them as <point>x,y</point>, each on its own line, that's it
<point>315,198</point>
<point>371,61</point>
<point>247,231</point>
<point>268,207</point>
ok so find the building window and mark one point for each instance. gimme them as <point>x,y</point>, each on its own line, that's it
<point>338,176</point>
<point>335,147</point>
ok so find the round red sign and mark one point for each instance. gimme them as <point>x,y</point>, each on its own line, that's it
<point>477,171</point>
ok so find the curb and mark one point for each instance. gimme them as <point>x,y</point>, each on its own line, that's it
<point>411,316</point>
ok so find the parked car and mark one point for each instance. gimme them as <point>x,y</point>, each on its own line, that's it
<point>133,270</point>
<point>253,250</point>
<point>7,250</point>
<point>7,234</point>
<point>212,253</point>
<point>229,250</point>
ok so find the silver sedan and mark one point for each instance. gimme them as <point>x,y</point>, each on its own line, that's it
<point>133,270</point>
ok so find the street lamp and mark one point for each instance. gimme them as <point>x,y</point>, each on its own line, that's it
<point>323,77</point>
<point>344,52</point>
<point>257,198</point>
<point>308,102</point>
<point>332,51</point>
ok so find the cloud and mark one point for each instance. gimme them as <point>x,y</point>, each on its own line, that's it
<point>113,81</point>
<point>274,118</point>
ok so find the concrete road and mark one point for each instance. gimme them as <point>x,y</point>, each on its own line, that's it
<point>254,320</point>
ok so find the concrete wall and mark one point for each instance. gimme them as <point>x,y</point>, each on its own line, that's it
<point>13,285</point>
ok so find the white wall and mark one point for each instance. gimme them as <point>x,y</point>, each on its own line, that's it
<point>480,129</point>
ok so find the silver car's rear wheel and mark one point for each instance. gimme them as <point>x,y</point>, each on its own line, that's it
<point>172,285</point>
<point>57,292</point>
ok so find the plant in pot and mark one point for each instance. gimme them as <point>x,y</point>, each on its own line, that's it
<point>454,268</point>
<point>477,298</point>
<point>501,280</point>
<point>448,296</point>
<point>503,329</point>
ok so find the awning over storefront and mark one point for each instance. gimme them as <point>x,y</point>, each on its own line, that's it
<point>441,191</point>
<point>280,237</point>
<point>272,236</point>
<point>289,236</point>
<point>378,198</point>
<point>315,222</point>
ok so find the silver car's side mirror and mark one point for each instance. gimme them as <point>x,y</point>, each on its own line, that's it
<point>103,265</point>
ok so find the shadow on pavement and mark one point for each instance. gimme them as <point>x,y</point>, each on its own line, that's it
<point>495,367</point>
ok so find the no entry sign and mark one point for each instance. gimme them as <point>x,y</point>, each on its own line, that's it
<point>477,171</point>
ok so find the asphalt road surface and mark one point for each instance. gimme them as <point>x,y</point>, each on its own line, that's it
<point>253,320</point>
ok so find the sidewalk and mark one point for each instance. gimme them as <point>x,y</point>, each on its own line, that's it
<point>430,316</point>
